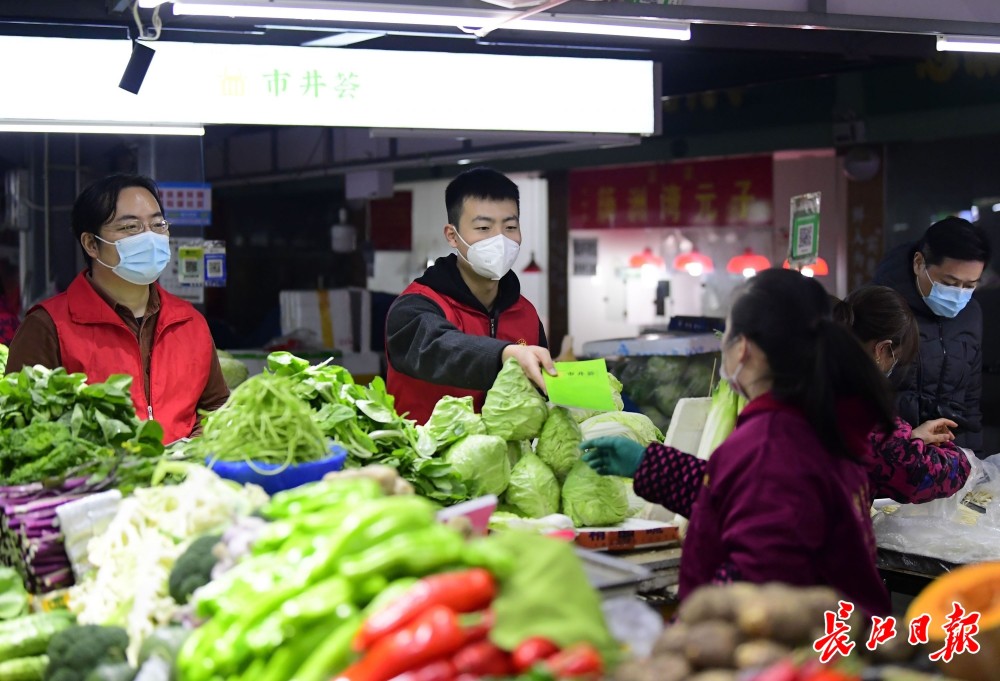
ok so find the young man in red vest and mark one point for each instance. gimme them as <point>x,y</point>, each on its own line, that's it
<point>450,331</point>
<point>115,319</point>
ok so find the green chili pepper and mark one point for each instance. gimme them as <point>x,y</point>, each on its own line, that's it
<point>328,600</point>
<point>285,661</point>
<point>414,553</point>
<point>317,496</point>
<point>331,655</point>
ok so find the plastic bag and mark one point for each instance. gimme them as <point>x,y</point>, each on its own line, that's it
<point>963,528</point>
<point>634,624</point>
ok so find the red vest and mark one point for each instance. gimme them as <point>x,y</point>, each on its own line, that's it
<point>94,340</point>
<point>518,324</point>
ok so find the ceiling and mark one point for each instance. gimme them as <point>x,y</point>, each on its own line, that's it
<point>734,43</point>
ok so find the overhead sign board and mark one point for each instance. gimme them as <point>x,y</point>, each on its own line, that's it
<point>60,79</point>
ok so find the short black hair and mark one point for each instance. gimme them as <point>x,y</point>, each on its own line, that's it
<point>957,239</point>
<point>479,183</point>
<point>96,204</point>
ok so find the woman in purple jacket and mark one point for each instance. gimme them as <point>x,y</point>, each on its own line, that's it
<point>786,496</point>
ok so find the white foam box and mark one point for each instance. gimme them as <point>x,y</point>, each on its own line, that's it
<point>346,322</point>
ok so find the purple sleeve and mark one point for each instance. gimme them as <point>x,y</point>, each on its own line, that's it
<point>670,477</point>
<point>912,472</point>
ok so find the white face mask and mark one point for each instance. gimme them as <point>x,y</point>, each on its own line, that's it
<point>491,258</point>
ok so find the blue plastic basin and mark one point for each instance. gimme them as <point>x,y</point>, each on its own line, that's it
<point>293,476</point>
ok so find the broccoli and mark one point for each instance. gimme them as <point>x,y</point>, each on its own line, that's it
<point>76,651</point>
<point>193,569</point>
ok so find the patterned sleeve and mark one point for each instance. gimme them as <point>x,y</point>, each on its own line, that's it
<point>911,472</point>
<point>670,477</point>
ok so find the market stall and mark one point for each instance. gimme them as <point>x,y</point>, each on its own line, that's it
<point>313,533</point>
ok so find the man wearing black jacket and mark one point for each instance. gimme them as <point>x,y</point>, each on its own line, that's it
<point>450,331</point>
<point>937,277</point>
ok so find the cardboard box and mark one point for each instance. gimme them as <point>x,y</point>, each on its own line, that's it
<point>339,318</point>
<point>632,534</point>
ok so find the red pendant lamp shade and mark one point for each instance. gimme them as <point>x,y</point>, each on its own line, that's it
<point>748,263</point>
<point>818,269</point>
<point>645,257</point>
<point>694,263</point>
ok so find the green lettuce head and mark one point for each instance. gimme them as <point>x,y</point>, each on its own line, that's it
<point>628,424</point>
<point>482,464</point>
<point>592,499</point>
<point>533,491</point>
<point>452,419</point>
<point>514,409</point>
<point>559,444</point>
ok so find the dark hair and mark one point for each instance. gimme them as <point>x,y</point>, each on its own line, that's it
<point>814,361</point>
<point>96,204</point>
<point>878,313</point>
<point>478,183</point>
<point>957,239</point>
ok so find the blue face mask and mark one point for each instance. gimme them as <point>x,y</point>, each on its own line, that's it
<point>141,258</point>
<point>946,301</point>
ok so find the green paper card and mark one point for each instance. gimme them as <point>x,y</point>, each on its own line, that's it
<point>583,384</point>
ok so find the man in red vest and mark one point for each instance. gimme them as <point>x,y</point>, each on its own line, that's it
<point>115,319</point>
<point>450,331</point>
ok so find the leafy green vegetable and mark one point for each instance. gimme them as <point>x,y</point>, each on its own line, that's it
<point>76,651</point>
<point>726,406</point>
<point>452,419</point>
<point>4,352</point>
<point>559,444</point>
<point>193,569</point>
<point>363,420</point>
<point>233,370</point>
<point>592,499</point>
<point>548,571</point>
<point>628,424</point>
<point>533,489</point>
<point>481,461</point>
<point>13,596</point>
<point>514,409</point>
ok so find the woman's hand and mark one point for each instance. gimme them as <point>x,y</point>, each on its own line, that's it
<point>613,455</point>
<point>934,432</point>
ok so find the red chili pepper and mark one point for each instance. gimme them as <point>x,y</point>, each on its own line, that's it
<point>580,660</point>
<point>464,591</point>
<point>482,658</point>
<point>442,670</point>
<point>435,634</point>
<point>532,651</point>
<point>480,627</point>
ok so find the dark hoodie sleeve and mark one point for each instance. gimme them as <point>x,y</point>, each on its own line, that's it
<point>973,401</point>
<point>422,343</point>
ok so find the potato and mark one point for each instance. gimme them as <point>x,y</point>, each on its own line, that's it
<point>672,640</point>
<point>777,615</point>
<point>669,668</point>
<point>634,670</point>
<point>715,602</point>
<point>759,653</point>
<point>711,644</point>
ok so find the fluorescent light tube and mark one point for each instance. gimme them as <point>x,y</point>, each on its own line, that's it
<point>429,16</point>
<point>101,128</point>
<point>968,43</point>
<point>439,16</point>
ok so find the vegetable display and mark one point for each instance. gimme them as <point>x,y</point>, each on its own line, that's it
<point>592,499</point>
<point>482,461</point>
<point>559,442</point>
<point>533,490</point>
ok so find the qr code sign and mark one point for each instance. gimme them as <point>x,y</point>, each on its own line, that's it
<point>191,267</point>
<point>804,239</point>
<point>214,268</point>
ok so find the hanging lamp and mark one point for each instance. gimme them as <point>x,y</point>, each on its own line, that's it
<point>645,257</point>
<point>532,266</point>
<point>820,268</point>
<point>748,263</point>
<point>694,263</point>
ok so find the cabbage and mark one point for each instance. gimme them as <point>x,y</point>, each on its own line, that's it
<point>559,444</point>
<point>233,370</point>
<point>452,419</point>
<point>515,450</point>
<point>533,491</point>
<point>628,424</point>
<point>550,523</point>
<point>514,409</point>
<point>592,499</point>
<point>721,420</point>
<point>481,462</point>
